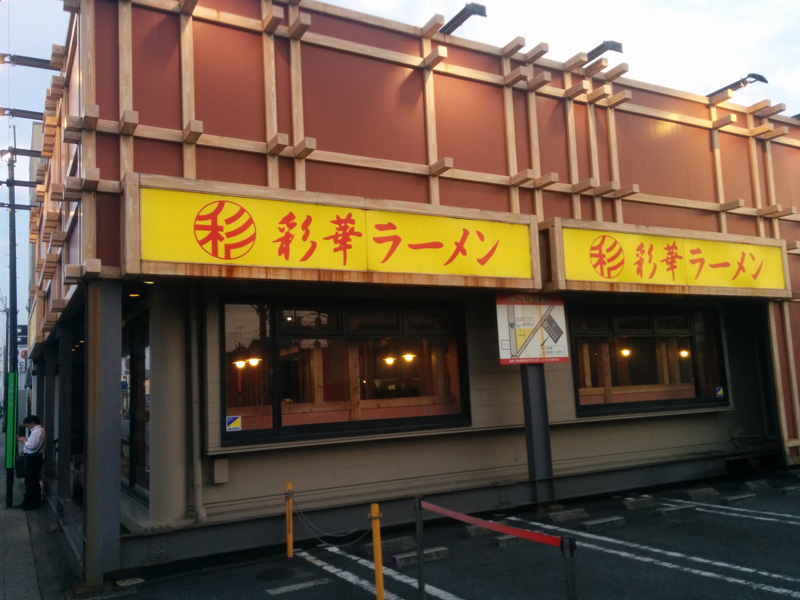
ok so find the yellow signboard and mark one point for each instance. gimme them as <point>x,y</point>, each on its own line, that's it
<point>614,257</point>
<point>191,227</point>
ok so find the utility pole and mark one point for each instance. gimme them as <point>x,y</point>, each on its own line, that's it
<point>12,377</point>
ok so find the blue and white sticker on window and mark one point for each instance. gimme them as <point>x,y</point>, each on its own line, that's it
<point>720,391</point>
<point>233,423</point>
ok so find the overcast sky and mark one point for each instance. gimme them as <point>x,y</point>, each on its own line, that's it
<point>691,45</point>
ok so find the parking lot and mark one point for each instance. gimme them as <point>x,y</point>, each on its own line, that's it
<point>714,540</point>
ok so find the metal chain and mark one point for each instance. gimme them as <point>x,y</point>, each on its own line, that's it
<point>319,533</point>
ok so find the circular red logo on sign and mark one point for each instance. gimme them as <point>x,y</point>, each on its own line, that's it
<point>607,256</point>
<point>225,230</point>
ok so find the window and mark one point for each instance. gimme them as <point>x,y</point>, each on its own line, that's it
<point>638,358</point>
<point>135,407</point>
<point>299,370</point>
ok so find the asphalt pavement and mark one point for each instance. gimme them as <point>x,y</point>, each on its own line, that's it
<point>712,540</point>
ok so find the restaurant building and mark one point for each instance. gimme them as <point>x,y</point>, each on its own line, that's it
<point>287,242</point>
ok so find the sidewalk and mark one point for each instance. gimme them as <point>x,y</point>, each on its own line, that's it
<point>18,569</point>
<point>36,563</point>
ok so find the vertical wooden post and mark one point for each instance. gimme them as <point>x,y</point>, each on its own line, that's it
<point>289,527</point>
<point>375,516</point>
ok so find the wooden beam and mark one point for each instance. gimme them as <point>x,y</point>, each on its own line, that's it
<point>517,75</point>
<point>620,98</point>
<point>188,6</point>
<point>441,166</point>
<point>272,19</point>
<point>775,133</point>
<point>732,205</point>
<point>128,122</point>
<point>432,26</point>
<point>585,185</point>
<point>769,111</point>
<point>594,68</point>
<point>523,177</point>
<point>192,131</point>
<point>299,26</point>
<point>616,72</point>
<point>606,188</point>
<point>766,211</point>
<point>73,186</point>
<point>306,146</point>
<point>793,248</point>
<point>541,80</point>
<point>723,121</point>
<point>537,52</point>
<point>512,47</point>
<point>434,57</point>
<point>601,93</point>
<point>90,179</point>
<point>720,97</point>
<point>91,115</point>
<point>628,190</point>
<point>276,145</point>
<point>761,129</point>
<point>576,62</point>
<point>545,180</point>
<point>582,87</point>
<point>72,6</point>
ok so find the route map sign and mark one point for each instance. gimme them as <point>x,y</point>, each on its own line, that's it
<point>531,329</point>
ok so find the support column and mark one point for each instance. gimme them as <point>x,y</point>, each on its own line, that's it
<point>537,433</point>
<point>168,415</point>
<point>102,500</point>
<point>46,396</point>
<point>64,432</point>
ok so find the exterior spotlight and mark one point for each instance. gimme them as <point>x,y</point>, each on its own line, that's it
<point>736,85</point>
<point>684,353</point>
<point>464,14</point>
<point>389,360</point>
<point>253,361</point>
<point>604,47</point>
<point>408,357</point>
<point>239,364</point>
<point>625,352</point>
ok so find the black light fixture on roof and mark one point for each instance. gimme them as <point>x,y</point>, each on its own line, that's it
<point>602,48</point>
<point>464,14</point>
<point>16,60</point>
<point>22,114</point>
<point>736,85</point>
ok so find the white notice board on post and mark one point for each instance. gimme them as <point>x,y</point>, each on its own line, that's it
<point>531,329</point>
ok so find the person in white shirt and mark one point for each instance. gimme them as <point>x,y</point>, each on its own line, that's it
<point>33,448</point>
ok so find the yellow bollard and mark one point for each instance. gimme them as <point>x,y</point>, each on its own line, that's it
<point>289,530</point>
<point>377,550</point>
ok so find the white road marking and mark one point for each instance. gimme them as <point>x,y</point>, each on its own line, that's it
<point>429,589</point>
<point>669,553</point>
<point>751,584</point>
<point>297,586</point>
<point>346,575</point>
<point>756,514</point>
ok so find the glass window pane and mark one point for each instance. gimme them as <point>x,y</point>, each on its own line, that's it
<point>677,361</point>
<point>309,320</point>
<point>430,321</point>
<point>246,365</point>
<point>373,320</point>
